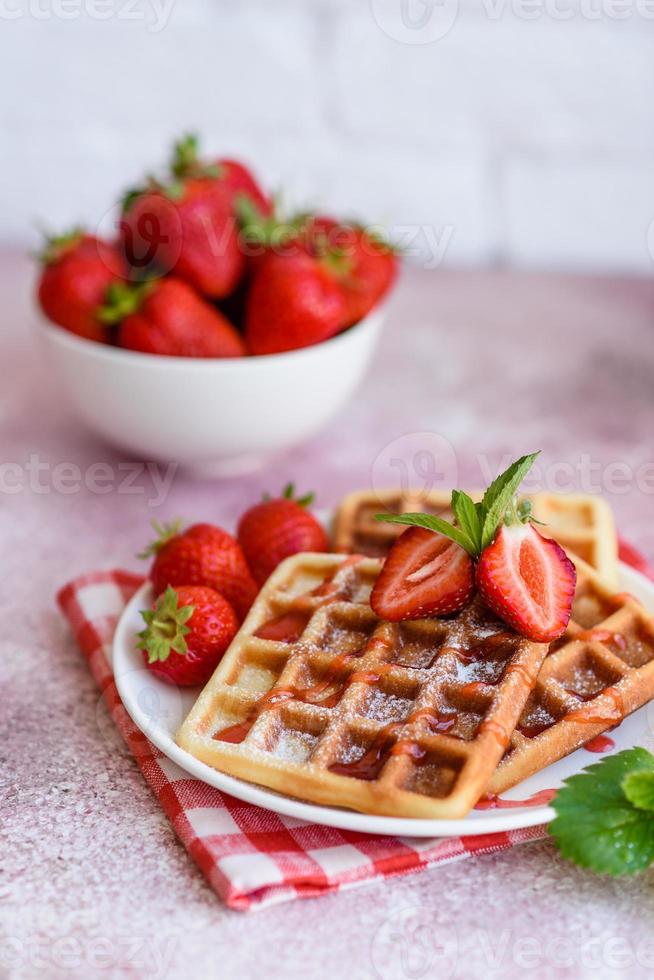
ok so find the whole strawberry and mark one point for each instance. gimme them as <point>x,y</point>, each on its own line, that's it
<point>186,163</point>
<point>294,301</point>
<point>186,634</point>
<point>273,530</point>
<point>166,316</point>
<point>202,555</point>
<point>77,271</point>
<point>368,268</point>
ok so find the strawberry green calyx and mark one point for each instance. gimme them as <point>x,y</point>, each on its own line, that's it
<point>165,627</point>
<point>165,533</point>
<point>121,300</point>
<point>55,246</point>
<point>477,523</point>
<point>186,162</point>
<point>272,230</point>
<point>288,493</point>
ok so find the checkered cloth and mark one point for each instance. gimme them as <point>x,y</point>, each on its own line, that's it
<point>252,857</point>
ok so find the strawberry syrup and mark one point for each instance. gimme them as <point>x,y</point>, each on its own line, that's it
<point>492,802</point>
<point>599,744</point>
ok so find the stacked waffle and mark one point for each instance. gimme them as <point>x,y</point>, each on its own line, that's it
<point>320,699</point>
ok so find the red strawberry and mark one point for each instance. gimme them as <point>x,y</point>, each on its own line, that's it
<point>368,268</point>
<point>273,530</point>
<point>529,581</point>
<point>166,316</point>
<point>202,555</point>
<point>78,271</point>
<point>186,634</point>
<point>425,574</point>
<point>294,301</point>
<point>242,181</point>
<point>186,163</point>
<point>187,228</point>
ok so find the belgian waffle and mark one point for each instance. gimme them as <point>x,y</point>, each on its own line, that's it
<point>319,699</point>
<point>597,673</point>
<point>579,522</point>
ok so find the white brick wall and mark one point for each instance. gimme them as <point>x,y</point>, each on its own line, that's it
<point>508,138</point>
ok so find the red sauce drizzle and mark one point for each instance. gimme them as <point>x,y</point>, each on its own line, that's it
<point>482,651</point>
<point>621,597</point>
<point>315,694</point>
<point>601,743</point>
<point>474,687</point>
<point>496,730</point>
<point>616,709</point>
<point>492,802</point>
<point>603,636</point>
<point>372,762</point>
<point>286,628</point>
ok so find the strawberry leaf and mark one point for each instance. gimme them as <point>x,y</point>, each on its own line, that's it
<point>638,787</point>
<point>597,825</point>
<point>432,523</point>
<point>500,494</point>
<point>467,517</point>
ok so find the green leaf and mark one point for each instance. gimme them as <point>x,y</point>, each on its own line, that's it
<point>499,495</point>
<point>467,517</point>
<point>638,787</point>
<point>432,523</point>
<point>165,627</point>
<point>597,826</point>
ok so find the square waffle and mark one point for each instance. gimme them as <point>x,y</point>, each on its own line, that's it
<point>580,522</point>
<point>597,673</point>
<point>319,699</point>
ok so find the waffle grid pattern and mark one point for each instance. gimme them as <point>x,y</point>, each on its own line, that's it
<point>579,522</point>
<point>319,699</point>
<point>597,673</point>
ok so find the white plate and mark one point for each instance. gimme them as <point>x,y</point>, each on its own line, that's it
<point>158,709</point>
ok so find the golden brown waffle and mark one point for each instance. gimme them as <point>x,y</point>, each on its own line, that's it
<point>597,673</point>
<point>407,719</point>
<point>580,522</point>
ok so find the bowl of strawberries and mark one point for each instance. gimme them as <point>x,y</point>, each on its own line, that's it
<point>211,331</point>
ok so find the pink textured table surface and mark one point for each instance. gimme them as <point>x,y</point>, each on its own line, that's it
<point>92,879</point>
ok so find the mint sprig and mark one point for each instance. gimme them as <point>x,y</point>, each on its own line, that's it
<point>605,814</point>
<point>476,523</point>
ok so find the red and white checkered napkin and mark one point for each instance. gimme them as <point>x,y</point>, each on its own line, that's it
<point>252,857</point>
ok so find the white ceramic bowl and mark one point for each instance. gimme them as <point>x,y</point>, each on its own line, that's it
<point>223,416</point>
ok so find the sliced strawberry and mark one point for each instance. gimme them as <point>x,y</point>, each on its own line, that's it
<point>425,574</point>
<point>529,581</point>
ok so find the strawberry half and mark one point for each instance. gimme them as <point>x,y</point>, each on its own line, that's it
<point>425,574</point>
<point>526,579</point>
<point>529,581</point>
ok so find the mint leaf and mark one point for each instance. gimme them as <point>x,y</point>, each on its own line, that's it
<point>467,517</point>
<point>499,495</point>
<point>432,524</point>
<point>638,787</point>
<point>597,826</point>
